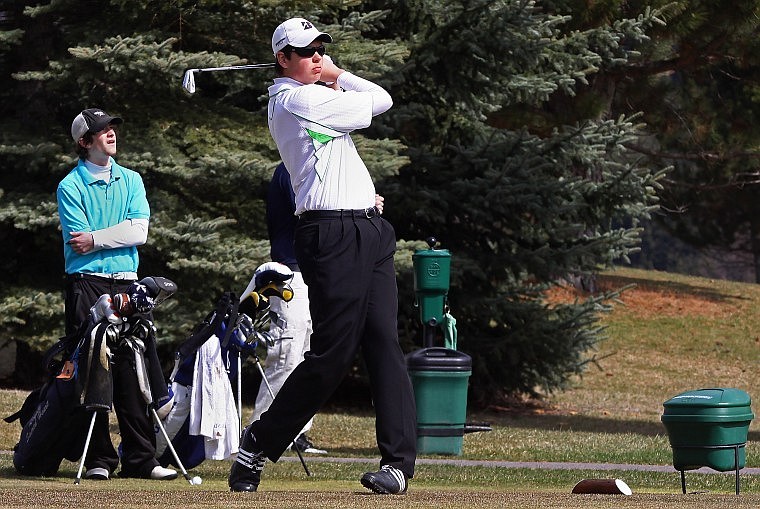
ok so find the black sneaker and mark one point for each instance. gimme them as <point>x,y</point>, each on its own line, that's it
<point>386,481</point>
<point>306,446</point>
<point>245,473</point>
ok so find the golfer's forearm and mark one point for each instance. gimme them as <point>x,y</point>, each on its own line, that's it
<point>132,232</point>
<point>381,100</point>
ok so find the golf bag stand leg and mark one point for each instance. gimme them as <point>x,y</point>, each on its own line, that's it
<point>239,391</point>
<point>138,347</point>
<point>271,393</point>
<point>171,446</point>
<point>86,447</point>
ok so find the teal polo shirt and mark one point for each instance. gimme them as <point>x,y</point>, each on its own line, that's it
<point>86,204</point>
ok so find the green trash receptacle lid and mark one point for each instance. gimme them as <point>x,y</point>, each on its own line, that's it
<point>709,405</point>
<point>438,359</point>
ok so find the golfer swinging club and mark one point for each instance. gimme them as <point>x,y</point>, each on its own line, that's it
<point>345,252</point>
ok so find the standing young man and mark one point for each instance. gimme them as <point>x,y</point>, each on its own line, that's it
<point>345,252</point>
<point>104,213</point>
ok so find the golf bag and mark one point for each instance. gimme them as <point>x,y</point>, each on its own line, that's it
<point>52,428</point>
<point>192,441</point>
<point>204,422</point>
<point>54,417</point>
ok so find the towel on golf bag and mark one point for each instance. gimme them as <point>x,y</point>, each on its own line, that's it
<point>212,391</point>
<point>213,413</point>
<point>219,436</point>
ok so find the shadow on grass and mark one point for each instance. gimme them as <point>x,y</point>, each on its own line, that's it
<point>582,423</point>
<point>611,282</point>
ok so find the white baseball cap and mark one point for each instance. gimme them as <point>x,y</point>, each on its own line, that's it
<point>296,32</point>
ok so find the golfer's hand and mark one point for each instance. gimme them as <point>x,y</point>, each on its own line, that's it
<point>379,200</point>
<point>330,71</point>
<point>82,242</point>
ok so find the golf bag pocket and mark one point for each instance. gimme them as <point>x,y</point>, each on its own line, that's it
<point>52,428</point>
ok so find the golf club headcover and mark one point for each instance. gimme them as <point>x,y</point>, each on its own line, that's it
<point>276,289</point>
<point>123,304</point>
<point>104,309</point>
<point>149,292</point>
<point>271,272</point>
<point>241,343</point>
<point>266,274</point>
<point>159,288</point>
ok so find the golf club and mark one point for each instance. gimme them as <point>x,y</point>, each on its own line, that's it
<point>138,347</point>
<point>271,393</point>
<point>86,447</point>
<point>188,81</point>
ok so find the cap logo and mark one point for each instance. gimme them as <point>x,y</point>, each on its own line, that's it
<point>99,113</point>
<point>306,25</point>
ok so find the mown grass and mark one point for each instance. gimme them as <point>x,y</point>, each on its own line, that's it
<point>671,334</point>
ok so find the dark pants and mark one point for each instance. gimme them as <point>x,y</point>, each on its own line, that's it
<point>347,262</point>
<point>138,438</point>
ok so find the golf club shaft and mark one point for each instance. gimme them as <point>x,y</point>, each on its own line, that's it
<point>271,393</point>
<point>171,446</point>
<point>86,447</point>
<point>239,390</point>
<point>234,67</point>
<point>188,81</point>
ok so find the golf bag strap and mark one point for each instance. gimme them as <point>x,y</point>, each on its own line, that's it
<point>67,345</point>
<point>14,416</point>
<point>232,317</point>
<point>207,327</point>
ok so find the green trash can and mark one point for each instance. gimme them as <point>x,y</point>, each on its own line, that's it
<point>439,378</point>
<point>708,427</point>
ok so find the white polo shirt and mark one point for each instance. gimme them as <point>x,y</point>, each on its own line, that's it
<point>310,125</point>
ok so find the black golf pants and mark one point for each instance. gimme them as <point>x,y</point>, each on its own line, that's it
<point>347,263</point>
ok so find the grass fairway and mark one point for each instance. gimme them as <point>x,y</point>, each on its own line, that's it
<point>670,334</point>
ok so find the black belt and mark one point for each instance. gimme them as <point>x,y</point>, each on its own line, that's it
<point>337,214</point>
<point>292,266</point>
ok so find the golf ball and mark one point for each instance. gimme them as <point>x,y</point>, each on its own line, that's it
<point>197,480</point>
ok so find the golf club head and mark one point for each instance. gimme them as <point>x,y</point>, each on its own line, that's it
<point>188,82</point>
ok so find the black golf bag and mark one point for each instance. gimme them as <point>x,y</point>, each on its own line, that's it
<point>54,417</point>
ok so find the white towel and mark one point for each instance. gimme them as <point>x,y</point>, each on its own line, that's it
<point>212,404</point>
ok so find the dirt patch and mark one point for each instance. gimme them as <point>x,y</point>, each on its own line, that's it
<point>647,303</point>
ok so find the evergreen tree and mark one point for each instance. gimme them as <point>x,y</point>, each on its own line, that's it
<point>697,83</point>
<point>206,159</point>
<point>525,184</point>
<point>488,147</point>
